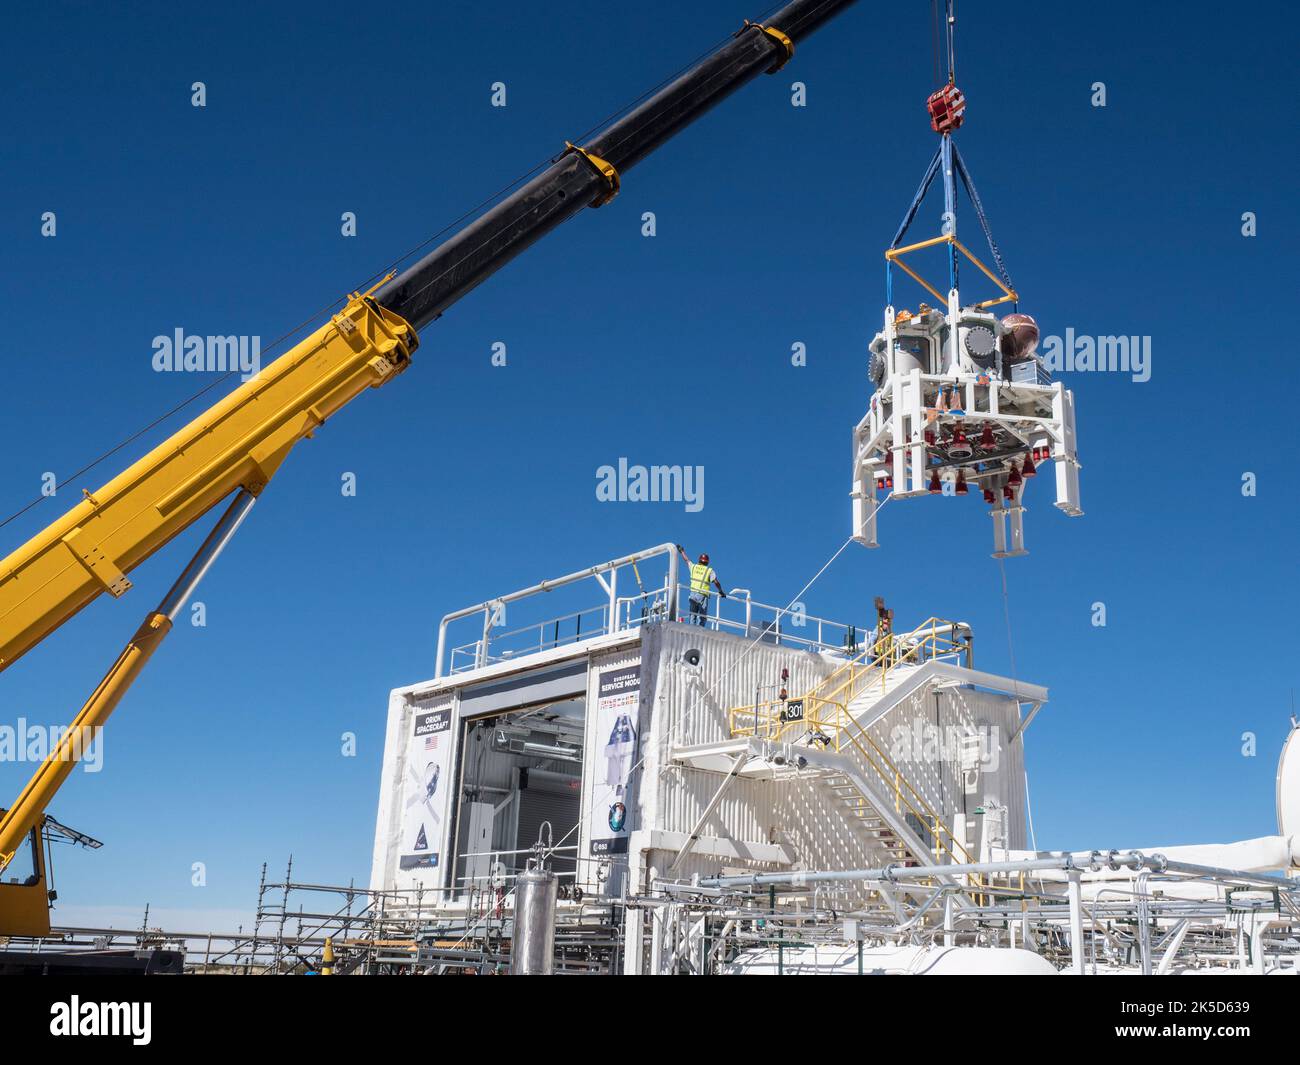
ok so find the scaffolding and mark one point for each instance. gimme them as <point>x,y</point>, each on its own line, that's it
<point>302,928</point>
<point>1165,917</point>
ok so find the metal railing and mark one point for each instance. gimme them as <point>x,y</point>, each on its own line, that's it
<point>664,600</point>
<point>740,613</point>
<point>530,639</point>
<point>825,712</point>
<point>907,799</point>
<point>491,646</point>
<point>825,707</point>
<point>504,866</point>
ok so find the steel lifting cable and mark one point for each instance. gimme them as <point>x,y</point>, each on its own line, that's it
<point>759,638</point>
<point>365,285</point>
<point>952,44</point>
<point>934,38</point>
<point>762,20</point>
<point>1006,614</point>
<point>1015,684</point>
<point>159,420</point>
<point>482,205</point>
<point>582,138</point>
<point>275,344</point>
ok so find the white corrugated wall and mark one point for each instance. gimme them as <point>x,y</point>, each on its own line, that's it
<point>922,738</point>
<point>685,705</point>
<point>690,705</point>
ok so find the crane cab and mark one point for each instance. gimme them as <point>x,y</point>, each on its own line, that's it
<point>24,895</point>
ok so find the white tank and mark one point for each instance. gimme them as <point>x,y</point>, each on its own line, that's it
<point>1288,793</point>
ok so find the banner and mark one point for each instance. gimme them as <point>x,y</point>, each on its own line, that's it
<point>428,783</point>
<point>618,696</point>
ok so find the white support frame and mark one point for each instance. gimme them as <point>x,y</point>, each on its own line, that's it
<point>889,443</point>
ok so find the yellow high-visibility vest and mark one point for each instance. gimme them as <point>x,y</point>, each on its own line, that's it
<point>702,577</point>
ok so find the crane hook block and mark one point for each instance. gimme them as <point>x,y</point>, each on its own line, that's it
<point>947,108</point>
<point>777,36</point>
<point>603,168</point>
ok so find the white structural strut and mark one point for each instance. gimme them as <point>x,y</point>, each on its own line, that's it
<point>707,812</point>
<point>867,710</point>
<point>749,752</point>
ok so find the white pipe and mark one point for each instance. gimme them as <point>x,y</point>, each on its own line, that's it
<point>1076,922</point>
<point>1175,941</point>
<point>894,872</point>
<point>1092,861</point>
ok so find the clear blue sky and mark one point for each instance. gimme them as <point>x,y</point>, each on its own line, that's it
<point>771,222</point>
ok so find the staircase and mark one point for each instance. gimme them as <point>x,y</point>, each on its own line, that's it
<point>830,727</point>
<point>867,685</point>
<point>877,796</point>
<point>866,821</point>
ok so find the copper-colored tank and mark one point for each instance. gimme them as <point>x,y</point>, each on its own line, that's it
<point>1019,337</point>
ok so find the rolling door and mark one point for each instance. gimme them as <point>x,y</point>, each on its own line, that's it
<point>554,803</point>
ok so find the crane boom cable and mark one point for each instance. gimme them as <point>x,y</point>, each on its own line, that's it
<point>952,42</point>
<point>694,708</point>
<point>934,38</point>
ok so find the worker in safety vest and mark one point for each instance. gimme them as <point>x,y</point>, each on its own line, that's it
<point>883,636</point>
<point>703,581</point>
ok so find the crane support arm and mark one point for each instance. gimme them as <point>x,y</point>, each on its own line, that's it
<point>28,810</point>
<point>237,443</point>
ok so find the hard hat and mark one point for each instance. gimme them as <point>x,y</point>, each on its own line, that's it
<point>704,559</point>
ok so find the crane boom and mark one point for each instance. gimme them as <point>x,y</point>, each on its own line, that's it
<point>578,178</point>
<point>241,440</point>
<point>237,443</point>
<point>236,446</point>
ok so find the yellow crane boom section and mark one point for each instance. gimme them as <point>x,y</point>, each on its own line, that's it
<point>237,443</point>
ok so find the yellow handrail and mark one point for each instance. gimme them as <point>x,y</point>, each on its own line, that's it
<point>773,718</point>
<point>825,709</point>
<point>912,797</point>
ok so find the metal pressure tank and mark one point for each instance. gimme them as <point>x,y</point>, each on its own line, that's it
<point>533,951</point>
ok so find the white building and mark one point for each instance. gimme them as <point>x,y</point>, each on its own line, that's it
<point>661,749</point>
